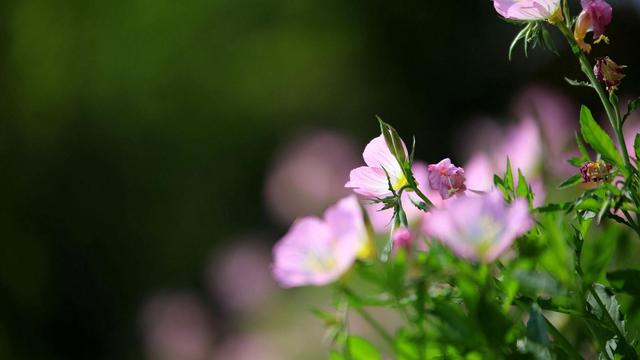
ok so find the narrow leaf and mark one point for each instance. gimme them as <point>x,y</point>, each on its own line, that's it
<point>573,180</point>
<point>598,138</point>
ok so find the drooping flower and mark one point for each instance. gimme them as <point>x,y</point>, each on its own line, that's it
<point>318,251</point>
<point>372,180</point>
<point>479,228</point>
<point>594,171</point>
<point>595,16</point>
<point>608,72</point>
<point>529,10</point>
<point>446,178</point>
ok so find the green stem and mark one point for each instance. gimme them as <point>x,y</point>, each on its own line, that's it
<point>587,69</point>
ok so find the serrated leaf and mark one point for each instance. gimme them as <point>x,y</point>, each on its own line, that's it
<point>573,180</point>
<point>598,138</point>
<point>627,281</point>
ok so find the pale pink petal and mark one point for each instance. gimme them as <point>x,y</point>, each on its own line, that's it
<point>526,9</point>
<point>369,182</point>
<point>377,155</point>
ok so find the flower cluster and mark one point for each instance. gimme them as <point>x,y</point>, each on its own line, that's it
<point>478,227</point>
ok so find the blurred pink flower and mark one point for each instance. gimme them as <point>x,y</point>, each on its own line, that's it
<point>402,237</point>
<point>317,252</point>
<point>177,326</point>
<point>527,9</point>
<point>308,175</point>
<point>479,228</point>
<point>238,278</point>
<point>371,180</point>
<point>595,16</point>
<point>446,178</point>
<point>247,347</point>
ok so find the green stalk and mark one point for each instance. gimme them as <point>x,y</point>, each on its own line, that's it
<point>587,69</point>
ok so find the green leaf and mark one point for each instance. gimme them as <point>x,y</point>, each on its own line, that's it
<point>636,145</point>
<point>537,329</point>
<point>394,142</point>
<point>583,149</point>
<point>578,83</point>
<point>361,349</point>
<point>554,207</point>
<point>335,356</point>
<point>521,35</point>
<point>633,106</point>
<point>627,281</point>
<point>598,138</point>
<point>610,325</point>
<point>523,188</point>
<point>573,180</point>
<point>508,177</point>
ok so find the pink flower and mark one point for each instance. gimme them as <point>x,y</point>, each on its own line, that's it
<point>318,251</point>
<point>595,16</point>
<point>381,219</point>
<point>371,180</point>
<point>446,178</point>
<point>528,10</point>
<point>402,238</point>
<point>479,228</point>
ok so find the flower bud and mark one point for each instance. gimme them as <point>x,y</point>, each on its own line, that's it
<point>595,16</point>
<point>594,171</point>
<point>446,178</point>
<point>608,72</point>
<point>402,238</point>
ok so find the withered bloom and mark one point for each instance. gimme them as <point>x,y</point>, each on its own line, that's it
<point>594,171</point>
<point>608,72</point>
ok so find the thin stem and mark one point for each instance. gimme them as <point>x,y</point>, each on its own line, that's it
<point>587,69</point>
<point>375,325</point>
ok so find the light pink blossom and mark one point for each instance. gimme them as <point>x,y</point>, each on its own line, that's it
<point>371,180</point>
<point>446,178</point>
<point>402,238</point>
<point>479,228</point>
<point>527,10</point>
<point>318,251</point>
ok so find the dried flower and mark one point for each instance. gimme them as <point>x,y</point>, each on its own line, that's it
<point>479,228</point>
<point>608,72</point>
<point>382,168</point>
<point>595,16</point>
<point>594,171</point>
<point>318,251</point>
<point>446,178</point>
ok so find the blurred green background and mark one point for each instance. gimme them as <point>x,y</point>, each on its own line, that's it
<point>136,135</point>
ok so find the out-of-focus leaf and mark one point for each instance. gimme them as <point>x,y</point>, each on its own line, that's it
<point>335,356</point>
<point>636,145</point>
<point>508,177</point>
<point>522,35</point>
<point>633,106</point>
<point>598,138</point>
<point>573,180</point>
<point>554,207</point>
<point>523,189</point>
<point>537,329</point>
<point>597,253</point>
<point>627,281</point>
<point>361,349</point>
